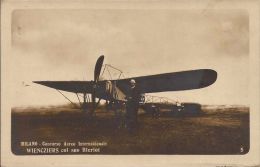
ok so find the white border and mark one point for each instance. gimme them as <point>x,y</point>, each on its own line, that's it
<point>9,159</point>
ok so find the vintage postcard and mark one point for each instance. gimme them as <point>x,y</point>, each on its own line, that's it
<point>130,83</point>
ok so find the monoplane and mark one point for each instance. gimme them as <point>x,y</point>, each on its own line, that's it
<point>115,91</point>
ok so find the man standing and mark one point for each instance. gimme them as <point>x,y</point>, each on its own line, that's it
<point>132,106</point>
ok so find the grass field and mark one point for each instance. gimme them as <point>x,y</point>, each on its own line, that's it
<point>217,130</point>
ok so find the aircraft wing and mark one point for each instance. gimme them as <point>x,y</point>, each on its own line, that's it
<point>176,81</point>
<point>69,86</point>
<point>80,87</point>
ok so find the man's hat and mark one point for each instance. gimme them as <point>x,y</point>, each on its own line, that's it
<point>132,81</point>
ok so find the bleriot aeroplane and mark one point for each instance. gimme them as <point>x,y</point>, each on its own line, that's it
<point>115,91</point>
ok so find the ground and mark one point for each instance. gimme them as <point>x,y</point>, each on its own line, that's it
<point>216,130</point>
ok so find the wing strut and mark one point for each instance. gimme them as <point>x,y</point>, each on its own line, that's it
<point>67,98</point>
<point>79,100</point>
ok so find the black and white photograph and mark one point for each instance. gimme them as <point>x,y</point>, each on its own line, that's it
<point>130,81</point>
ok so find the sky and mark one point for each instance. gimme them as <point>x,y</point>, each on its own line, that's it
<point>64,45</point>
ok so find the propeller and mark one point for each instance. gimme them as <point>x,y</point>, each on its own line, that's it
<point>97,72</point>
<point>98,67</point>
